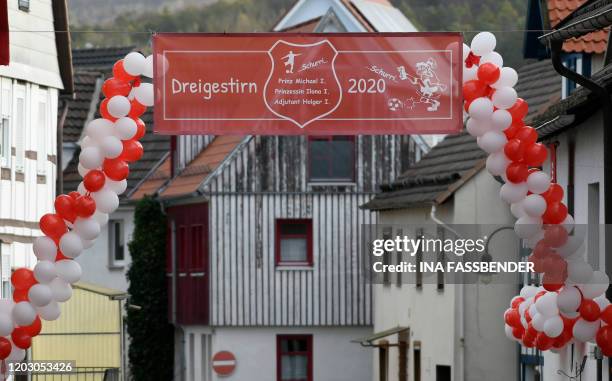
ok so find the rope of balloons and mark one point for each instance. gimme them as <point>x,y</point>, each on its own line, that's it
<point>570,305</point>
<point>109,144</point>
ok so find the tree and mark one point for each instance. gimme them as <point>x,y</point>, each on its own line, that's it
<point>151,350</point>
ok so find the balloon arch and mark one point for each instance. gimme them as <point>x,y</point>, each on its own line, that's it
<point>570,304</point>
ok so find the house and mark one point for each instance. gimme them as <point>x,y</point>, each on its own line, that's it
<point>89,334</point>
<point>264,235</point>
<point>36,68</point>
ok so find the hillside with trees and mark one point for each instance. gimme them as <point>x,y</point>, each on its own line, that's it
<point>134,26</point>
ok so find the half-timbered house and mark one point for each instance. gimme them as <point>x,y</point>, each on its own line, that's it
<point>264,235</point>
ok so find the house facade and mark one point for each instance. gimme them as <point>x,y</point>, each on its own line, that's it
<point>264,235</point>
<point>36,70</point>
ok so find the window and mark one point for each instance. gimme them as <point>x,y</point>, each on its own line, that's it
<point>5,145</point>
<point>294,358</point>
<point>41,133</point>
<point>116,245</point>
<point>20,125</point>
<point>417,361</point>
<point>443,373</point>
<point>24,5</point>
<point>331,158</point>
<point>294,242</point>
<point>576,62</point>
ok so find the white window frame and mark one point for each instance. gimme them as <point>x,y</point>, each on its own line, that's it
<point>20,125</point>
<point>5,123</point>
<point>112,260</point>
<point>41,128</point>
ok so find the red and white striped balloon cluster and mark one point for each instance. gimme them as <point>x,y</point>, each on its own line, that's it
<point>110,143</point>
<point>570,305</point>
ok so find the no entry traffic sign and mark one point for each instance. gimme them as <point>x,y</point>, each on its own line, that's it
<point>224,363</point>
<point>290,84</point>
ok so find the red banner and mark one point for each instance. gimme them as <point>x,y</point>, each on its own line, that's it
<point>317,84</point>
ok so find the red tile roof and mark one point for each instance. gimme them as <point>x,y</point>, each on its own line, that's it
<point>595,42</point>
<point>154,181</point>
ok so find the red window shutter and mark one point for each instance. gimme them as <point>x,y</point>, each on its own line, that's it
<point>4,34</point>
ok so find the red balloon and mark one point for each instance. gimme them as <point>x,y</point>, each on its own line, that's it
<point>74,195</point>
<point>589,310</point>
<point>517,172</point>
<point>474,89</point>
<point>94,180</point>
<point>5,348</point>
<point>604,336</point>
<point>535,154</point>
<point>20,295</point>
<point>537,296</point>
<point>554,193</point>
<point>538,263</point>
<point>488,73</point>
<point>466,106</point>
<point>116,169</point>
<point>606,315</point>
<point>64,206</point>
<point>23,279</point>
<point>60,256</point>
<point>136,109</point>
<point>85,206</point>
<point>53,225</point>
<point>607,351</point>
<point>555,235</point>
<point>555,213</point>
<point>511,131</point>
<point>542,249</point>
<point>132,150</point>
<point>512,317</point>
<point>104,111</point>
<point>519,110</point>
<point>548,286</point>
<point>34,328</point>
<point>543,342</point>
<point>517,301</point>
<point>562,339</point>
<point>527,135</point>
<point>518,332</point>
<point>514,150</point>
<point>141,129</point>
<point>21,339</point>
<point>120,73</point>
<point>114,86</point>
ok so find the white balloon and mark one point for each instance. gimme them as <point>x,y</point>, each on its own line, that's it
<point>483,43</point>
<point>6,324</point>
<point>44,249</point>
<point>87,228</point>
<point>119,106</point>
<point>106,200</point>
<point>60,289</point>
<point>553,327</point>
<point>537,321</point>
<point>68,270</point>
<point>6,306</point>
<point>579,272</point>
<point>49,312</point>
<point>466,51</point>
<point>87,142</point>
<point>534,205</point>
<point>144,94</point>
<point>147,69</point>
<point>569,315</point>
<point>602,302</point>
<point>508,331</point>
<point>102,218</point>
<point>98,129</point>
<point>481,109</point>
<point>538,182</point>
<point>569,299</point>
<point>528,291</point>
<point>517,209</point>
<point>476,127</point>
<point>531,242</point>
<point>88,243</point>
<point>584,330</point>
<point>497,163</point>
<point>547,304</point>
<point>125,128</point>
<point>71,245</point>
<point>116,186</point>
<point>82,170</point>
<point>508,77</point>
<point>91,158</point>
<point>570,247</point>
<point>40,295</point>
<point>504,97</point>
<point>44,271</point>
<point>597,285</point>
<point>111,147</point>
<point>501,119</point>
<point>24,314</point>
<point>527,226</point>
<point>17,354</point>
<point>492,141</point>
<point>511,192</point>
<point>494,58</point>
<point>568,223</point>
<point>470,73</point>
<point>134,63</point>
<point>81,188</point>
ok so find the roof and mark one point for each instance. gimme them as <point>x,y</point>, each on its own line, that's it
<point>111,293</point>
<point>437,175</point>
<point>595,42</point>
<point>307,26</point>
<point>152,182</point>
<point>79,106</point>
<point>540,85</point>
<point>88,62</point>
<point>367,341</point>
<point>383,16</point>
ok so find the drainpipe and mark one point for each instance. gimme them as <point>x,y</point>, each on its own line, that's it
<point>59,163</point>
<point>460,299</point>
<point>606,110</point>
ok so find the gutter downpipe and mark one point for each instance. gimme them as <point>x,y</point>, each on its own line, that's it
<point>460,299</point>
<point>606,110</point>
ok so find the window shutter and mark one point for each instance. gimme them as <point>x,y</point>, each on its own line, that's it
<point>20,125</point>
<point>6,267</point>
<point>41,133</point>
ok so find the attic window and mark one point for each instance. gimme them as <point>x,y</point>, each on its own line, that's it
<point>24,5</point>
